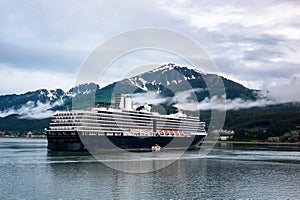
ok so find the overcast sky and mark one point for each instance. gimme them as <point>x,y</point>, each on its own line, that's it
<point>44,43</point>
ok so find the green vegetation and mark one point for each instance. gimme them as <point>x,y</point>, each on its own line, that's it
<point>261,123</point>
<point>248,124</point>
<point>15,126</point>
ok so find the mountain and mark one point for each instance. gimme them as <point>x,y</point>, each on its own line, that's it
<point>165,80</point>
<point>169,79</point>
<point>42,95</point>
<point>32,111</point>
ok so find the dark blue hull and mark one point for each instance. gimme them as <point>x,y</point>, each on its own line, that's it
<point>76,142</point>
<point>65,146</point>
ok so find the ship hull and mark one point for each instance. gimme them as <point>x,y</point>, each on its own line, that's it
<point>75,141</point>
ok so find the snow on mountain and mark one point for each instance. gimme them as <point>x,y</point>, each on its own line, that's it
<point>168,67</point>
<point>168,74</point>
<point>83,89</point>
<point>51,95</point>
<point>32,105</point>
<point>41,103</point>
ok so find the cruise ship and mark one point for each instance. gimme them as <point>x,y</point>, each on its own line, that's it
<point>116,126</point>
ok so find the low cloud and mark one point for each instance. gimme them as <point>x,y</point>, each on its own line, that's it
<point>32,110</point>
<point>149,98</point>
<point>186,100</point>
<point>223,104</point>
<point>285,92</point>
<point>187,96</point>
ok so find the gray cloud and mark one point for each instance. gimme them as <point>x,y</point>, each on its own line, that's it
<point>266,39</point>
<point>255,43</point>
<point>262,54</point>
<point>39,58</point>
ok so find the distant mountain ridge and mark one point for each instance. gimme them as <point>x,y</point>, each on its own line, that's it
<point>31,111</point>
<point>165,80</point>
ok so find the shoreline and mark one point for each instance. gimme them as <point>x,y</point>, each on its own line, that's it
<point>259,143</point>
<point>24,137</point>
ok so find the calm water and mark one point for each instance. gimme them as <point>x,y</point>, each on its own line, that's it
<point>28,171</point>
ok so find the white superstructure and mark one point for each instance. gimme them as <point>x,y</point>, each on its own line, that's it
<point>125,122</point>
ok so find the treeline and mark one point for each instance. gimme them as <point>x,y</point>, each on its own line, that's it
<point>248,124</point>
<point>14,125</point>
<point>261,123</point>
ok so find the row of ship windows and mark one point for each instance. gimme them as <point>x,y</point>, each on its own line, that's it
<point>102,113</point>
<point>63,128</point>
<point>122,121</point>
<point>117,117</point>
<point>121,115</point>
<point>107,131</point>
<point>133,127</point>
<point>129,134</point>
<point>123,124</point>
<point>128,127</point>
<point>109,113</point>
<point>111,120</point>
<point>61,133</point>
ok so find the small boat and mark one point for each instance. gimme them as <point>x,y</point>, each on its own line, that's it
<point>155,148</point>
